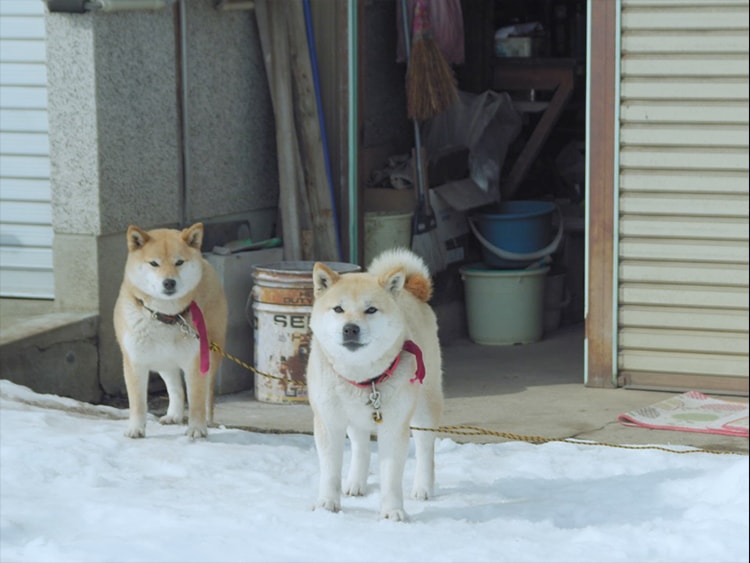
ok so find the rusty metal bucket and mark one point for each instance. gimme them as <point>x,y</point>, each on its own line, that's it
<point>282,299</point>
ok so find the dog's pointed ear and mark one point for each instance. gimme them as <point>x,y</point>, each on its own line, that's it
<point>193,235</point>
<point>137,238</point>
<point>393,281</point>
<point>323,278</point>
<point>416,284</point>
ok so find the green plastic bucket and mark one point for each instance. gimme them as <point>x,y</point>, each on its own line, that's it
<point>504,307</point>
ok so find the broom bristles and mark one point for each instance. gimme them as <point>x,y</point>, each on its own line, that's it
<point>430,83</point>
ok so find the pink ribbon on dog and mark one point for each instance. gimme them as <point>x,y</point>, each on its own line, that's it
<point>200,325</point>
<point>411,347</point>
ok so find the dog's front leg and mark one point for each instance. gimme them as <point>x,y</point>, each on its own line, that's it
<point>136,383</point>
<point>393,446</point>
<point>176,392</point>
<point>356,482</point>
<point>329,443</point>
<point>197,388</point>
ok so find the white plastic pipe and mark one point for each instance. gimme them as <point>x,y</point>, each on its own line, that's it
<point>122,5</point>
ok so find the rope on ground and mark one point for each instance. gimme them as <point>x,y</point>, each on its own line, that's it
<point>463,430</point>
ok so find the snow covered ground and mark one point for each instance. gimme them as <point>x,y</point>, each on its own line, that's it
<point>73,488</point>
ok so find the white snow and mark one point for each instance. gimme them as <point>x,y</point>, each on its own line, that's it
<point>73,488</point>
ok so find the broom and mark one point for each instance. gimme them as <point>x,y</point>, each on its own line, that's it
<point>430,82</point>
<point>425,240</point>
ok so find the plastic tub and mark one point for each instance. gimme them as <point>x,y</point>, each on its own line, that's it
<point>504,307</point>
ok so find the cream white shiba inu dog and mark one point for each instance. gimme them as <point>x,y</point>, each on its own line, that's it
<point>171,306</point>
<point>374,368</point>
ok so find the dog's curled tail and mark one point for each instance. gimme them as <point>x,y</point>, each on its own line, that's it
<point>418,279</point>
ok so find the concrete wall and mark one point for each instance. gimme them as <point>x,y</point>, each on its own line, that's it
<point>116,142</point>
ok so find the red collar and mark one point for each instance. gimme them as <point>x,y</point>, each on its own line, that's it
<point>409,346</point>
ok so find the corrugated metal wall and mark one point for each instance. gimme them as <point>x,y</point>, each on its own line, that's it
<point>25,206</point>
<point>683,252</point>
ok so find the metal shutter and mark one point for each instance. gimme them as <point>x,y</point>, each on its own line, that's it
<point>25,206</point>
<point>683,203</point>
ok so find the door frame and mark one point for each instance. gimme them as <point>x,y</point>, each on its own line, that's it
<point>600,353</point>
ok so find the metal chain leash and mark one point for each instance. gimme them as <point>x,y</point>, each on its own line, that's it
<point>216,348</point>
<point>188,331</point>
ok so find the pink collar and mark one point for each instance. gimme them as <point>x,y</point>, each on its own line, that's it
<point>409,346</point>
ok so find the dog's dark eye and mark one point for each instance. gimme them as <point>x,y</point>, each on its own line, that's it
<point>154,264</point>
<point>338,309</point>
<point>179,262</point>
<point>370,310</point>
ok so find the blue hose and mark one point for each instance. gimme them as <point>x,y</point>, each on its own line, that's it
<point>323,135</point>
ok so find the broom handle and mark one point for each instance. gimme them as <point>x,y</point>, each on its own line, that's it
<point>422,201</point>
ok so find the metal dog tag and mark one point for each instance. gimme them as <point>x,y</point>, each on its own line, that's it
<point>374,401</point>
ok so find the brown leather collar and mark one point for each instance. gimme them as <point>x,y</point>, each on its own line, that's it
<point>163,317</point>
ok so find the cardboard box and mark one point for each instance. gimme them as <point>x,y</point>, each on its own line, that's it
<point>383,198</point>
<point>389,199</point>
<point>451,202</point>
<point>235,272</point>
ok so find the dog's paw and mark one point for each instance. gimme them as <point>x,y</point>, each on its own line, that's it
<point>355,489</point>
<point>194,432</point>
<point>328,504</point>
<point>394,514</point>
<point>136,432</point>
<point>420,493</point>
<point>171,419</point>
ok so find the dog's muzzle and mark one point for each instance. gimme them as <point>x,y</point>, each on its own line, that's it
<point>169,286</point>
<point>350,334</point>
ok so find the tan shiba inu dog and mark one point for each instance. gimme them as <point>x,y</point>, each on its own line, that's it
<point>171,306</point>
<point>374,368</point>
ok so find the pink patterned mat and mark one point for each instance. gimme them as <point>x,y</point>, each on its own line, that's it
<point>692,412</point>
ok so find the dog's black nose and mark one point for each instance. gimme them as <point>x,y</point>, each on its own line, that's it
<point>351,331</point>
<point>169,284</point>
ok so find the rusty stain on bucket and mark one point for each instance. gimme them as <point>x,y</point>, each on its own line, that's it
<point>282,302</point>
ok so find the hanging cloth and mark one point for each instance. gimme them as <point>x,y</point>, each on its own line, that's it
<point>446,25</point>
